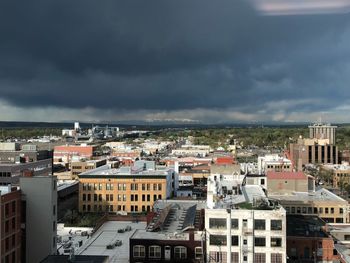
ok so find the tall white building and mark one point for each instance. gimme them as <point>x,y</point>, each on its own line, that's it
<point>246,235</point>
<point>245,227</point>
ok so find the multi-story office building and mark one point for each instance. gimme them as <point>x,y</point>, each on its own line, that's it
<point>11,152</point>
<point>322,131</point>
<point>316,151</point>
<point>127,189</point>
<point>10,224</point>
<point>40,217</point>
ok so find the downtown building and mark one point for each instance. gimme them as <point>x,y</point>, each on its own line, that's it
<point>241,224</point>
<point>127,189</point>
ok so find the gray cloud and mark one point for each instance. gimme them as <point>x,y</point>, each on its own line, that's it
<point>161,59</point>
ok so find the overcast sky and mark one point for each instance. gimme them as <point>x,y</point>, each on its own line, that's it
<point>183,61</point>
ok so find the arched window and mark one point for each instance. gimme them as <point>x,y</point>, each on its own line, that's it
<point>180,252</point>
<point>154,252</point>
<point>139,251</point>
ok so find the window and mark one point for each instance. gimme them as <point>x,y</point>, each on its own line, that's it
<point>124,197</point>
<point>148,187</point>
<point>143,187</point>
<point>259,258</point>
<point>13,223</point>
<point>54,226</point>
<point>347,237</point>
<point>234,257</point>
<point>54,210</point>
<point>217,240</point>
<point>100,197</point>
<point>131,198</point>
<point>120,187</point>
<point>245,241</point>
<point>234,241</point>
<point>99,186</point>
<point>341,211</point>
<point>298,210</point>
<point>148,198</point>
<point>154,187</point>
<point>84,197</point>
<point>276,242</point>
<point>234,223</point>
<point>320,210</point>
<point>276,224</point>
<point>111,197</point>
<point>293,210</point>
<point>198,251</point>
<point>276,258</point>
<point>134,187</point>
<point>159,196</point>
<point>124,187</point>
<point>180,252</point>
<point>332,210</point>
<point>304,209</point>
<point>139,251</point>
<point>136,198</point>
<point>245,258</point>
<point>159,187</point>
<point>13,206</point>
<point>154,252</point>
<point>259,224</point>
<point>154,197</point>
<point>217,223</point>
<point>143,198</point>
<point>95,187</point>
<point>89,197</point>
<point>7,226</point>
<point>309,210</point>
<point>119,197</point>
<point>326,210</point>
<point>260,242</point>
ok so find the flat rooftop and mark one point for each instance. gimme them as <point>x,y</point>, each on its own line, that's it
<point>106,171</point>
<point>105,235</point>
<point>143,234</point>
<point>319,195</point>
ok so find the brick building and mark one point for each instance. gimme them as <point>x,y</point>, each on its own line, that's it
<point>10,223</point>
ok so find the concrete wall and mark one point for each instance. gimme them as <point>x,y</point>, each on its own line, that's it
<point>286,186</point>
<point>41,216</point>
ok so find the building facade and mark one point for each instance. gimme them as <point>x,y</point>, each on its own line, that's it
<point>10,224</point>
<point>124,190</point>
<point>241,235</point>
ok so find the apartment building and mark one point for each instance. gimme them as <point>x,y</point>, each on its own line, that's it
<point>127,189</point>
<point>10,224</point>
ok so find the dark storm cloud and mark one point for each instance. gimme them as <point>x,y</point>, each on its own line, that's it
<point>170,55</point>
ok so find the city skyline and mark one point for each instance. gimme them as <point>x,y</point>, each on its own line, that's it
<point>183,62</point>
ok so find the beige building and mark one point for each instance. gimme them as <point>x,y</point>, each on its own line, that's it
<point>316,151</point>
<point>81,166</point>
<point>124,190</point>
<point>323,203</point>
<point>288,182</point>
<point>340,174</point>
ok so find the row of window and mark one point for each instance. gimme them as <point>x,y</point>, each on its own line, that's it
<point>110,208</point>
<point>221,240</point>
<point>109,197</point>
<point>259,224</point>
<point>312,210</point>
<point>121,187</point>
<point>155,252</point>
<point>258,257</point>
<point>5,174</point>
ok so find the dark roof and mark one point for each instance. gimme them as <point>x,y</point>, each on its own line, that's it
<point>77,259</point>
